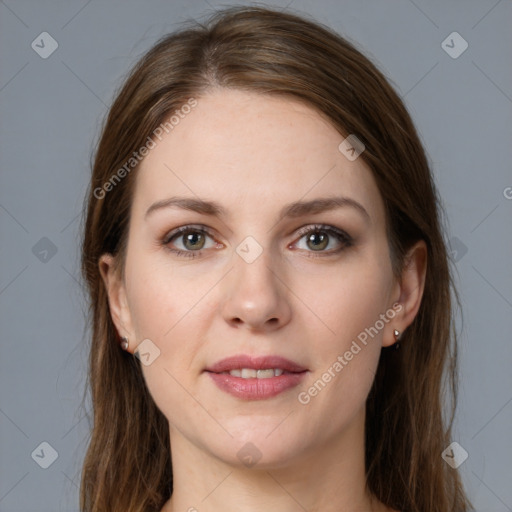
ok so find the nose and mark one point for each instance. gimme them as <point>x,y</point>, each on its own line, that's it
<point>256,296</point>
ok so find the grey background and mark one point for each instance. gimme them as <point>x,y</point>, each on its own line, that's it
<point>51,110</point>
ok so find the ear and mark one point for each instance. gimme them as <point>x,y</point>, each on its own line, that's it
<point>409,291</point>
<point>117,299</point>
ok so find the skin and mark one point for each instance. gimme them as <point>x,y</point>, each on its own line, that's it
<point>254,154</point>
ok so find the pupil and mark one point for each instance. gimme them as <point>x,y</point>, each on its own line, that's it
<point>323,238</point>
<point>193,238</point>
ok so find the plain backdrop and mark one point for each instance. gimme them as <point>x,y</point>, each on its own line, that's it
<point>52,106</point>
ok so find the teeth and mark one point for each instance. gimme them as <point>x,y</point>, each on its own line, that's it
<point>250,373</point>
<point>265,374</point>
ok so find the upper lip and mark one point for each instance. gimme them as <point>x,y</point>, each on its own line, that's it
<point>240,361</point>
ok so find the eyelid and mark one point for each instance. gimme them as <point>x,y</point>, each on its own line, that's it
<point>185,229</point>
<point>341,235</point>
<point>322,227</point>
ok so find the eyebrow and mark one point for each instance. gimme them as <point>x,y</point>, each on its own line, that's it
<point>291,210</point>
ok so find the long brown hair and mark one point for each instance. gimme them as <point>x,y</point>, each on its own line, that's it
<point>127,467</point>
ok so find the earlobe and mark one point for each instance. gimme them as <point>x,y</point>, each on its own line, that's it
<point>411,288</point>
<point>116,293</point>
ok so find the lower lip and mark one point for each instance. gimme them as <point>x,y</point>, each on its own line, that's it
<point>256,389</point>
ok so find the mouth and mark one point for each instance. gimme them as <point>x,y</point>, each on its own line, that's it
<point>251,373</point>
<point>248,364</point>
<point>256,378</point>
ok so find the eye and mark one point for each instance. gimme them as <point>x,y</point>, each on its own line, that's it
<point>192,240</point>
<point>320,237</point>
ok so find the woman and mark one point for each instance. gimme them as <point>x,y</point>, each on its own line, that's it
<point>263,234</point>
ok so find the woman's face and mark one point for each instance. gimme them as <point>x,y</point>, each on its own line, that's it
<point>249,280</point>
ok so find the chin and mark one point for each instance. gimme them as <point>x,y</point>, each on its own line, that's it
<point>260,455</point>
<point>259,444</point>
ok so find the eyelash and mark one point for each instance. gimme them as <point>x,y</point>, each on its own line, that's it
<point>340,235</point>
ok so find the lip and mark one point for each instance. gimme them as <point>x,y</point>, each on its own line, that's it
<point>240,361</point>
<point>254,388</point>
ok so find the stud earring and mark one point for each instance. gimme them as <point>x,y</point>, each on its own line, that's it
<point>397,338</point>
<point>124,343</point>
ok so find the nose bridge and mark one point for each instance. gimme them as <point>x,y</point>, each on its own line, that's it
<point>255,264</point>
<point>255,295</point>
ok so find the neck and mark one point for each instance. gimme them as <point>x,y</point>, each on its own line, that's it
<point>327,478</point>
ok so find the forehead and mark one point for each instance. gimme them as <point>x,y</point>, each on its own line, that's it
<point>249,152</point>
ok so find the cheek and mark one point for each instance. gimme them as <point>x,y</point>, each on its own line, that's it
<point>346,361</point>
<point>162,310</point>
<point>166,308</point>
<point>152,308</point>
<point>345,301</point>
<point>350,304</point>
<point>157,295</point>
